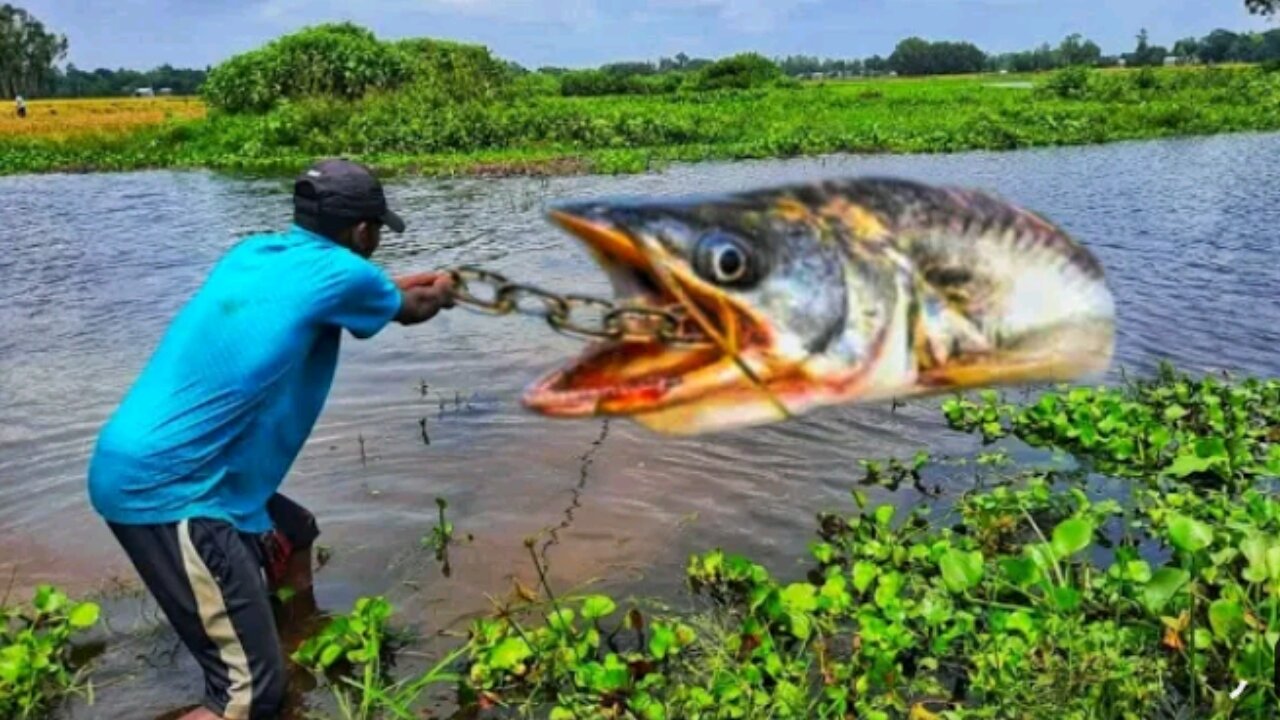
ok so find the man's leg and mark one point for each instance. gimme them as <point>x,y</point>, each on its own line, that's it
<point>210,585</point>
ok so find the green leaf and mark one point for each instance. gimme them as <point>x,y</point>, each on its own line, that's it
<point>330,655</point>
<point>1272,466</point>
<point>961,570</point>
<point>561,620</point>
<point>1066,598</point>
<point>84,615</point>
<point>863,575</point>
<point>1071,536</point>
<point>1164,584</point>
<point>595,607</point>
<point>1254,547</point>
<point>1188,464</point>
<point>15,661</point>
<point>662,640</point>
<point>1021,571</point>
<point>800,597</point>
<point>1226,617</point>
<point>48,600</point>
<point>1189,535</point>
<point>822,552</point>
<point>888,588</point>
<point>800,626</point>
<point>884,514</point>
<point>509,653</point>
<point>1021,622</point>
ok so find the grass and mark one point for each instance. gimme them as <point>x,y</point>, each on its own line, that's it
<point>63,119</point>
<point>538,133</point>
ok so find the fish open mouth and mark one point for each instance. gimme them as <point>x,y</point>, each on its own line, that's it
<point>680,352</point>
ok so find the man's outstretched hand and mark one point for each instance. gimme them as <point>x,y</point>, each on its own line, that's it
<point>423,295</point>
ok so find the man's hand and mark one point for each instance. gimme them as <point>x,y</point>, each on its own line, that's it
<point>423,295</point>
<point>423,279</point>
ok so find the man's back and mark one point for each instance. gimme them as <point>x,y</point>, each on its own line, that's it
<point>221,410</point>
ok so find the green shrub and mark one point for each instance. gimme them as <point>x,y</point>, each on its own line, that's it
<point>747,70</point>
<point>337,60</point>
<point>1069,83</point>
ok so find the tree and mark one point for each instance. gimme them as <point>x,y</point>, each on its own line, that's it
<point>1186,49</point>
<point>29,54</point>
<point>915,56</point>
<point>1263,7</point>
<point>1146,54</point>
<point>1216,47</point>
<point>1075,50</point>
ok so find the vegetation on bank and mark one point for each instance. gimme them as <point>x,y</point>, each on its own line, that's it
<point>438,109</point>
<point>36,671</point>
<point>1140,581</point>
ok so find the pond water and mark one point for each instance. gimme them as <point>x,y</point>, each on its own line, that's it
<point>94,266</point>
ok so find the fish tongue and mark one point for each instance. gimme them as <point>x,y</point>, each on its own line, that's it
<point>623,363</point>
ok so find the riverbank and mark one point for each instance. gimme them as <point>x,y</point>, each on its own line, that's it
<point>527,133</point>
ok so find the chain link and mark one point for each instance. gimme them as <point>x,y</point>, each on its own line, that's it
<point>565,313</point>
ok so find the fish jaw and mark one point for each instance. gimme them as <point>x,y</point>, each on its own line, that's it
<point>670,388</point>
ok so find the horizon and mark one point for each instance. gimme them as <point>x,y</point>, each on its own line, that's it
<point>112,37</point>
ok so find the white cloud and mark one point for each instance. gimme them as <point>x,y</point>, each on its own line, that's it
<point>748,16</point>
<point>564,12</point>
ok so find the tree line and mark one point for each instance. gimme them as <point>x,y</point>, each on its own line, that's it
<point>74,82</point>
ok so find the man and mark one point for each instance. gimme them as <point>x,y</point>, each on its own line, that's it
<point>186,470</point>
<point>22,107</point>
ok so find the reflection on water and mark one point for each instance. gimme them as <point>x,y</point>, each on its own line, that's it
<point>94,266</point>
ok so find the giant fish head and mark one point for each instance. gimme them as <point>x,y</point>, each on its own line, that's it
<point>798,297</point>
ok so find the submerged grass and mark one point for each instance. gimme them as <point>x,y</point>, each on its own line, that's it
<point>527,132</point>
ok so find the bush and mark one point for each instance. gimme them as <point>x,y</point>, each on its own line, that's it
<point>1070,83</point>
<point>740,72</point>
<point>456,71</point>
<point>338,60</point>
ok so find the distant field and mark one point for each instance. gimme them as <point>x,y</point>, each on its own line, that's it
<point>59,119</point>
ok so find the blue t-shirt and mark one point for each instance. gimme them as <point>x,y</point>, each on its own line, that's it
<point>223,407</point>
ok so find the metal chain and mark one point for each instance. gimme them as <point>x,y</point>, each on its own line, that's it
<point>564,313</point>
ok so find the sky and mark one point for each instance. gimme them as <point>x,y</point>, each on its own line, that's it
<point>142,34</point>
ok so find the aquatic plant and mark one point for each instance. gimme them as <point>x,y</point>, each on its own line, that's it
<point>1150,592</point>
<point>350,657</point>
<point>36,671</point>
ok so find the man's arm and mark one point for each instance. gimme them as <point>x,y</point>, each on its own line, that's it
<point>422,296</point>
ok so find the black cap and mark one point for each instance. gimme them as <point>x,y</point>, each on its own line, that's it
<point>343,190</point>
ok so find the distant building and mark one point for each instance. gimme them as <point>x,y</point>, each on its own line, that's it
<point>1170,60</point>
<point>166,91</point>
<point>144,92</point>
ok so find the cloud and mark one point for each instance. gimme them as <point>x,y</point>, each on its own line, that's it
<point>753,17</point>
<point>562,12</point>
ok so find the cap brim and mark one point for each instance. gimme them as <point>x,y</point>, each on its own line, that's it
<point>393,221</point>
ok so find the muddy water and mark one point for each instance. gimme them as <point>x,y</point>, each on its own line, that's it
<point>93,267</point>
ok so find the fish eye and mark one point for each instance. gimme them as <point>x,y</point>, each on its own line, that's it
<point>725,260</point>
